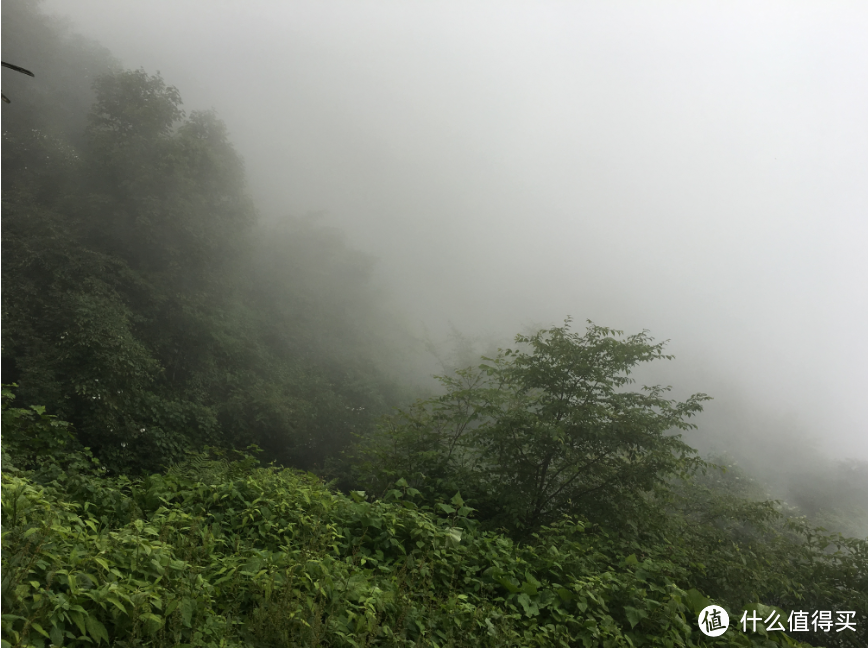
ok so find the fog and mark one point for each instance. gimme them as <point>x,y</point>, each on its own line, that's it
<point>695,170</point>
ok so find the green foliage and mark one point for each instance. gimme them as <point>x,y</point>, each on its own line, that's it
<point>31,435</point>
<point>221,553</point>
<point>539,433</point>
<point>218,551</point>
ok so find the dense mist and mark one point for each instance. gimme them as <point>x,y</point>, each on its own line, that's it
<point>696,171</point>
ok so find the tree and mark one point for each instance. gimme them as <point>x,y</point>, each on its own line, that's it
<point>116,256</point>
<point>543,431</point>
<point>172,191</point>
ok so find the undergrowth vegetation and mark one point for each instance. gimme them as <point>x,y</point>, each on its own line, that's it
<point>220,551</point>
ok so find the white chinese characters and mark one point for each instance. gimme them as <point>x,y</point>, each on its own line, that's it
<point>714,621</point>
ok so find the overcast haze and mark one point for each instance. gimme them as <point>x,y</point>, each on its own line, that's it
<point>698,170</point>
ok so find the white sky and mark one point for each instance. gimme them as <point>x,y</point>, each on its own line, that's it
<point>696,169</point>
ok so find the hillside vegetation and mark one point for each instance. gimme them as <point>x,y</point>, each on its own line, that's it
<point>158,340</point>
<point>218,551</point>
<point>143,300</point>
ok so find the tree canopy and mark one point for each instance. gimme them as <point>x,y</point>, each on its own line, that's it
<point>544,430</point>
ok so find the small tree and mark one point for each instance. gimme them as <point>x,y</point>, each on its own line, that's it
<point>544,431</point>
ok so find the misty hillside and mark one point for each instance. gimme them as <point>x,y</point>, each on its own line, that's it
<point>142,300</point>
<point>197,374</point>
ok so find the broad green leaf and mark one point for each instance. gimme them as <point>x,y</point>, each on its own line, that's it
<point>96,629</point>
